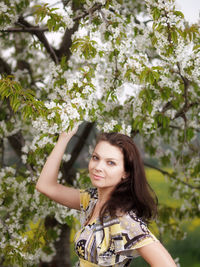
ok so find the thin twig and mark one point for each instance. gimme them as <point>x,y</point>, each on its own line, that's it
<point>184,109</point>
<point>186,85</point>
<point>90,11</point>
<point>170,175</point>
<point>2,152</point>
<point>24,29</point>
<point>179,128</point>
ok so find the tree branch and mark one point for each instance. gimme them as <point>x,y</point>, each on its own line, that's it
<point>94,8</point>
<point>186,84</point>
<point>170,175</point>
<point>2,153</point>
<point>184,109</point>
<point>17,142</point>
<point>66,40</point>
<point>24,29</point>
<point>4,67</point>
<point>179,128</point>
<point>66,43</point>
<point>42,38</point>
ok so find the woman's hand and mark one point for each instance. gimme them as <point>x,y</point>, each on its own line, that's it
<point>68,135</point>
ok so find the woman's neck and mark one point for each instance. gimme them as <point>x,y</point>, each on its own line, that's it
<point>103,195</point>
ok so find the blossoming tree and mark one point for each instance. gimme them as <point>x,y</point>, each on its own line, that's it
<point>128,66</point>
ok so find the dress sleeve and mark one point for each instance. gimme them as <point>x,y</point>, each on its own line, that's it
<point>135,234</point>
<point>119,238</point>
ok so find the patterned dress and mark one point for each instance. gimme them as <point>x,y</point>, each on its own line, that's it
<point>112,244</point>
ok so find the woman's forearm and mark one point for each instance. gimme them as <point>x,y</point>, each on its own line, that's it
<point>49,174</point>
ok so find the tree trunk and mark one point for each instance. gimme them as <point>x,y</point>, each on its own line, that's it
<point>62,246</point>
<point>62,257</point>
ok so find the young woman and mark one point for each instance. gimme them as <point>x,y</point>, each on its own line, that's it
<point>116,210</point>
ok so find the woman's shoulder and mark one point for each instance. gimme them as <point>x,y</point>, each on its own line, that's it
<point>124,234</point>
<point>129,215</point>
<point>129,221</point>
<point>134,228</point>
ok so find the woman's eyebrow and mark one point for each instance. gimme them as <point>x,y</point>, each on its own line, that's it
<point>112,159</point>
<point>105,158</point>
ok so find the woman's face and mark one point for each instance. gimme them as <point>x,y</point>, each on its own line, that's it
<point>106,166</point>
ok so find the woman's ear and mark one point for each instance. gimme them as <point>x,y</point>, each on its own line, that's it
<point>125,175</point>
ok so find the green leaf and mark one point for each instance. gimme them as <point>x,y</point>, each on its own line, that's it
<point>189,133</point>
<point>107,35</point>
<point>179,14</point>
<point>8,200</point>
<point>16,106</point>
<point>156,13</point>
<point>150,77</point>
<point>170,49</point>
<point>143,75</point>
<point>69,220</point>
<point>174,36</point>
<point>196,47</point>
<point>51,23</point>
<point>128,74</point>
<point>159,27</point>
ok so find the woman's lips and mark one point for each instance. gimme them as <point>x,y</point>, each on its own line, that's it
<point>97,177</point>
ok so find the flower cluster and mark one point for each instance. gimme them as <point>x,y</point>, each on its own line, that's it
<point>9,128</point>
<point>67,18</point>
<point>8,15</point>
<point>164,12</point>
<point>3,8</point>
<point>14,187</point>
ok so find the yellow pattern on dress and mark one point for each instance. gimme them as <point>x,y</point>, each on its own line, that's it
<point>84,263</point>
<point>106,241</point>
<point>85,198</point>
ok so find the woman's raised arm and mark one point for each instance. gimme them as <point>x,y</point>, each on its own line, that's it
<point>47,183</point>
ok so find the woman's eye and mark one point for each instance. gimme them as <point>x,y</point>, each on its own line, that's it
<point>111,163</point>
<point>94,157</point>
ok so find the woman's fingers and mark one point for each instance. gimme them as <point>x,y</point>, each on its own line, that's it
<point>70,133</point>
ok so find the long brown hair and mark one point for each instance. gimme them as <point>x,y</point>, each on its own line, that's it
<point>133,192</point>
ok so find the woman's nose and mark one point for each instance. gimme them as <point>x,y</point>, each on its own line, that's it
<point>99,166</point>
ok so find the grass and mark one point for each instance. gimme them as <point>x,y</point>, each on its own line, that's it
<point>161,187</point>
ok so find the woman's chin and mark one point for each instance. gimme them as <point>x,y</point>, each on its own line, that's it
<point>97,183</point>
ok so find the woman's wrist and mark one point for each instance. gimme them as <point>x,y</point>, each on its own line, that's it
<point>63,139</point>
<point>68,135</point>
